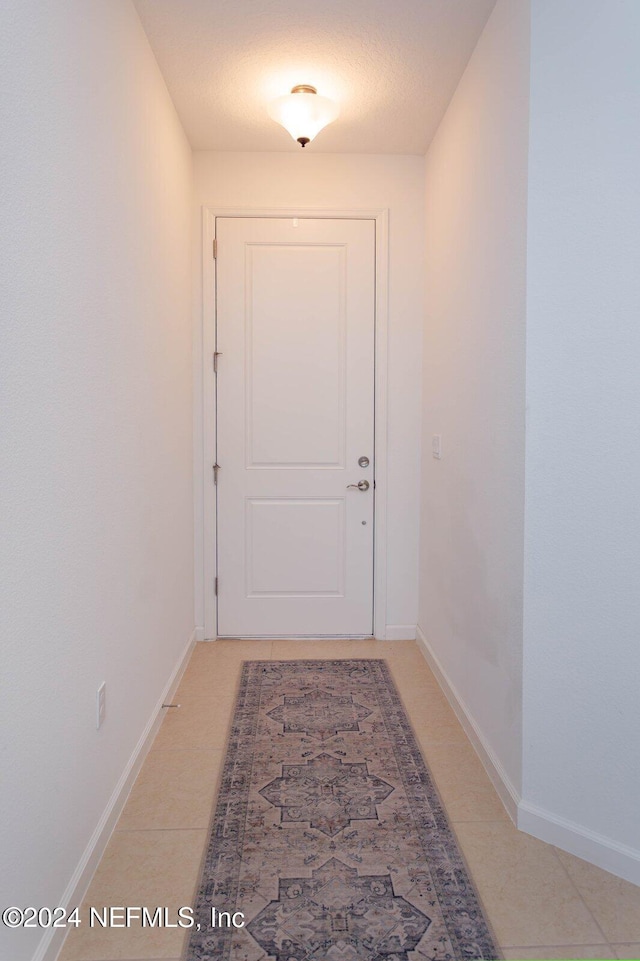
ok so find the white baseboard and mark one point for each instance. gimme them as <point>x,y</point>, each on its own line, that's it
<point>400,632</point>
<point>497,774</point>
<point>604,852</point>
<point>51,943</point>
<point>199,634</point>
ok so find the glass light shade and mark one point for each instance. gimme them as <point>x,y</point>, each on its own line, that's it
<point>303,114</point>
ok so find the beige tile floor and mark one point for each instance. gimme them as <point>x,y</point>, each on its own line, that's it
<point>541,902</point>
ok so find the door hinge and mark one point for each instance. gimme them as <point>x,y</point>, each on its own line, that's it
<point>216,468</point>
<point>215,248</point>
<point>215,586</point>
<point>218,353</point>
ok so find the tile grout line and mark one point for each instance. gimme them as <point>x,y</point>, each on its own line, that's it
<point>153,830</point>
<point>536,947</point>
<point>472,820</point>
<point>579,893</point>
<point>156,830</point>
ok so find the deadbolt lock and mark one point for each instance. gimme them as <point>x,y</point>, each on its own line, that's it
<point>363,461</point>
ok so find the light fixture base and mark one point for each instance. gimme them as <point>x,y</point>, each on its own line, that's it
<point>303,141</point>
<point>303,88</point>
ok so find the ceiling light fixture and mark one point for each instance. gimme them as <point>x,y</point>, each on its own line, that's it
<point>303,113</point>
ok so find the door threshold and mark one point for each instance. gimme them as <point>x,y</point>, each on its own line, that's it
<point>295,637</point>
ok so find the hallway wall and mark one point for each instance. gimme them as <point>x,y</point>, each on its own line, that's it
<point>471,548</point>
<point>346,181</point>
<point>582,572</point>
<point>96,497</point>
<point>529,563</point>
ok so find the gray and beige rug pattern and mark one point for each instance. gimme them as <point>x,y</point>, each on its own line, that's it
<point>328,835</point>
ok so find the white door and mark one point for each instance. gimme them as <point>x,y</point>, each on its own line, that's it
<point>295,414</point>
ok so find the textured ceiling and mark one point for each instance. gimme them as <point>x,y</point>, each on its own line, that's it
<point>391,64</point>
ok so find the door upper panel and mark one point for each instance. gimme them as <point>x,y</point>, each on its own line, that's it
<point>295,355</point>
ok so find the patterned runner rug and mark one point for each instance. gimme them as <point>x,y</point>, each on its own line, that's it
<point>328,835</point>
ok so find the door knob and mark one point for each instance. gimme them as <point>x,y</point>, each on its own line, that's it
<point>362,485</point>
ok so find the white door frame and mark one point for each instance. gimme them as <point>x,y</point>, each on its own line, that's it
<point>205,346</point>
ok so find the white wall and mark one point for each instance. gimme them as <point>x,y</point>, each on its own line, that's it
<point>582,575</point>
<point>96,433</point>
<point>471,548</point>
<point>339,181</point>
